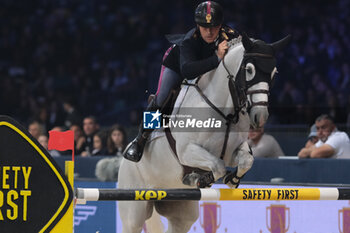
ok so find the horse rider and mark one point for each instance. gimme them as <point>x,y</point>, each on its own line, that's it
<point>191,55</point>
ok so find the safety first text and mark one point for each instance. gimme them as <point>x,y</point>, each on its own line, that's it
<point>14,193</point>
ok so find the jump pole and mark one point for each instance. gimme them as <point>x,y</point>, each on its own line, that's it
<point>249,194</point>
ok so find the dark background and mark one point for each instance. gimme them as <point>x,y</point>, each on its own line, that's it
<point>105,56</point>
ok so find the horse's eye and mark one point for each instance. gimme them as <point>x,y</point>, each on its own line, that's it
<point>274,71</point>
<point>250,71</point>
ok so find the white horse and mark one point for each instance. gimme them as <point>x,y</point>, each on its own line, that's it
<point>248,68</point>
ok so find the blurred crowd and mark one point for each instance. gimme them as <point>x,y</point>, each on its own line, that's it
<point>89,140</point>
<point>103,57</point>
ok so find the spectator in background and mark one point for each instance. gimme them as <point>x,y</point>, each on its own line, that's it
<point>73,116</point>
<point>42,52</point>
<point>116,141</point>
<point>79,138</point>
<point>57,128</point>
<point>56,152</point>
<point>331,142</point>
<point>99,144</point>
<point>35,129</point>
<point>44,140</point>
<point>263,145</point>
<point>107,168</point>
<point>90,127</point>
<point>312,138</point>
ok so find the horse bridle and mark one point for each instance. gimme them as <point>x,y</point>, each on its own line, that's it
<point>238,91</point>
<point>239,86</point>
<point>259,91</point>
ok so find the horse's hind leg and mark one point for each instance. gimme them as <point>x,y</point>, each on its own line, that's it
<point>244,161</point>
<point>134,214</point>
<point>180,214</point>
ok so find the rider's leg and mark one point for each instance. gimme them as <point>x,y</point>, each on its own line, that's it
<point>134,150</point>
<point>168,80</point>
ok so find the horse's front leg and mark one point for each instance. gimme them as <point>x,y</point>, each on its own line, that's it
<point>243,159</point>
<point>194,155</point>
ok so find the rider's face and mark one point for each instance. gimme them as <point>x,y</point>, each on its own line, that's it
<point>209,34</point>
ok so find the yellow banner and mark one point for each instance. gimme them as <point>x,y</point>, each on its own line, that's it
<point>259,194</point>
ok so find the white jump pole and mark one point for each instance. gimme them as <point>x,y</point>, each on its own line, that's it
<point>257,194</point>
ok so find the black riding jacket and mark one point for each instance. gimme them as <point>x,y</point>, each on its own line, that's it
<point>192,56</point>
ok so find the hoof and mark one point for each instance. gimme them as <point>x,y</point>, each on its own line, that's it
<point>206,180</point>
<point>190,179</point>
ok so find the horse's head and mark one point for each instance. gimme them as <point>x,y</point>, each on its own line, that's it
<point>255,76</point>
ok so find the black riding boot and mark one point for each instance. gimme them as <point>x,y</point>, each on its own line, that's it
<point>134,150</point>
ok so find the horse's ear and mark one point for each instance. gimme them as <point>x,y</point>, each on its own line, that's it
<point>279,45</point>
<point>247,43</point>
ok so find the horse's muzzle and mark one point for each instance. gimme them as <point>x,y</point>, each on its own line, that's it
<point>258,116</point>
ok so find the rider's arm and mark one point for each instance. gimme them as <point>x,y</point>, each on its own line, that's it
<point>190,66</point>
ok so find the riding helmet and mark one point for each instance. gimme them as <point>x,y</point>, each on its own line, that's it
<point>209,14</point>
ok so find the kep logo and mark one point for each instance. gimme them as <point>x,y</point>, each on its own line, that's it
<point>149,195</point>
<point>151,120</point>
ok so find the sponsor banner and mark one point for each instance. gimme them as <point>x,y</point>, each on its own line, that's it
<point>260,194</point>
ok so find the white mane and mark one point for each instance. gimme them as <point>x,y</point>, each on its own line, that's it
<point>234,42</point>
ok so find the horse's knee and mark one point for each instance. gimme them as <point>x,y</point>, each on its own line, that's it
<point>245,157</point>
<point>247,162</point>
